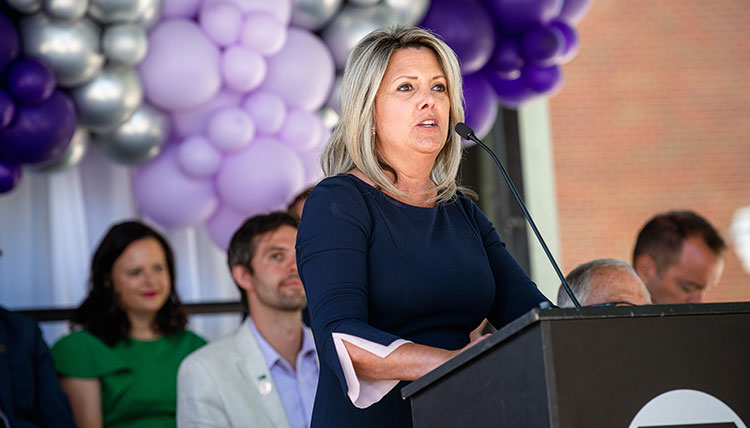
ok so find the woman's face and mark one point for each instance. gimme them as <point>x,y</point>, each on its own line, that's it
<point>412,106</point>
<point>140,278</point>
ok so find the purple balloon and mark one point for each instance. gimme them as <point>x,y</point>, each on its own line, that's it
<point>222,225</point>
<point>181,69</point>
<point>30,81</point>
<point>198,157</point>
<point>7,109</point>
<point>171,198</point>
<point>242,69</point>
<point>574,10</point>
<point>302,130</point>
<point>9,44</point>
<point>571,40</point>
<point>263,33</point>
<point>262,177</point>
<point>41,132</point>
<point>543,45</point>
<point>467,28</point>
<point>194,121</point>
<point>305,87</point>
<point>481,105</point>
<point>222,22</point>
<point>230,129</point>
<point>267,110</point>
<point>510,92</point>
<point>506,58</point>
<point>542,80</point>
<point>10,175</point>
<point>515,16</point>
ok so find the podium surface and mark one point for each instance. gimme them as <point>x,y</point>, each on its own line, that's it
<point>598,367</point>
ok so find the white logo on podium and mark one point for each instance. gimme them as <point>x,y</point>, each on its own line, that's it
<point>685,407</point>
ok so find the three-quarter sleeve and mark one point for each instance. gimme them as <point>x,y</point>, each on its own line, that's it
<point>515,292</point>
<point>332,257</point>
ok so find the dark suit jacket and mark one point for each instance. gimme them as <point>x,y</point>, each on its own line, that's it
<point>30,394</point>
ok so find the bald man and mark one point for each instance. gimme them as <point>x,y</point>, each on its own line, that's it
<point>604,281</point>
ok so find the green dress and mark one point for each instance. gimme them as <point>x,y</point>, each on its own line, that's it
<point>138,378</point>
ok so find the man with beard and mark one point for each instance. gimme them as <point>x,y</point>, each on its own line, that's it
<point>266,373</point>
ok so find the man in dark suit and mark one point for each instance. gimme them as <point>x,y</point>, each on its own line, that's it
<point>30,394</point>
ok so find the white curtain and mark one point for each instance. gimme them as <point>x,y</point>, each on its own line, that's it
<point>51,224</point>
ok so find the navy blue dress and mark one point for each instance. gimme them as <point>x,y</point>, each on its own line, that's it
<point>382,270</point>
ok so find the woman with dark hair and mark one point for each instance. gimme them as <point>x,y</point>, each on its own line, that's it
<point>120,367</point>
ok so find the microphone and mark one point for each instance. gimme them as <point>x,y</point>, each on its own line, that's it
<point>468,134</point>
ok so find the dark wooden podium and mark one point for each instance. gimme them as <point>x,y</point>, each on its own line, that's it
<point>591,367</point>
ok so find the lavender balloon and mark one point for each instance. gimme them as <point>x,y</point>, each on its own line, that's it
<point>262,177</point>
<point>242,68</point>
<point>198,157</point>
<point>467,28</point>
<point>230,129</point>
<point>225,221</point>
<point>574,10</point>
<point>194,121</point>
<point>10,175</point>
<point>171,198</point>
<point>302,130</point>
<point>263,33</point>
<point>304,87</point>
<point>267,110</point>
<point>41,132</point>
<point>222,21</point>
<point>279,9</point>
<point>181,69</point>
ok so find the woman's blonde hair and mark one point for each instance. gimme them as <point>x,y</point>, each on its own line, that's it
<point>352,144</point>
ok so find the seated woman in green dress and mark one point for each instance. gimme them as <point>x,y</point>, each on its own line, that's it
<point>120,368</point>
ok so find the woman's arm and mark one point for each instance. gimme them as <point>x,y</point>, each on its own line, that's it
<point>85,400</point>
<point>409,361</point>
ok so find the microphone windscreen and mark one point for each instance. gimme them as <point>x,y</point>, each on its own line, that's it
<point>464,131</point>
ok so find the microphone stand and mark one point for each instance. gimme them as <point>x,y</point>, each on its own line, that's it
<point>467,133</point>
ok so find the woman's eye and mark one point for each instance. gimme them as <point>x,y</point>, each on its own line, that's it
<point>439,87</point>
<point>134,272</point>
<point>159,268</point>
<point>405,87</point>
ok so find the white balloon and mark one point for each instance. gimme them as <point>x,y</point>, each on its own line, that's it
<point>125,44</point>
<point>314,14</point>
<point>351,25</point>
<point>70,48</point>
<point>66,10</point>
<point>25,6</point>
<point>108,100</point>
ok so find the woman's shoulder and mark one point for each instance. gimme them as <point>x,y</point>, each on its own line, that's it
<point>189,340</point>
<point>81,354</point>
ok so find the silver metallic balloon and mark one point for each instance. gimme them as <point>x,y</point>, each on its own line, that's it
<point>25,6</point>
<point>365,2</point>
<point>350,25</point>
<point>151,14</point>
<point>109,99</point>
<point>125,43</point>
<point>65,10</point>
<point>111,11</point>
<point>330,117</point>
<point>137,140</point>
<point>408,12</point>
<point>314,14</point>
<point>70,157</point>
<point>70,48</point>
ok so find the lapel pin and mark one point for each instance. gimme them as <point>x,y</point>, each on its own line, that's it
<point>264,385</point>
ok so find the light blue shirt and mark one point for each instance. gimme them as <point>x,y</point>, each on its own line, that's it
<point>296,389</point>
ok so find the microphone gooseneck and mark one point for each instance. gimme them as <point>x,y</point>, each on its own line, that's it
<point>468,134</point>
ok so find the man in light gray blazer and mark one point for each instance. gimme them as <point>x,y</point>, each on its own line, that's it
<point>265,373</point>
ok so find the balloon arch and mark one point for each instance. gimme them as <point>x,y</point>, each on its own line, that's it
<point>223,106</point>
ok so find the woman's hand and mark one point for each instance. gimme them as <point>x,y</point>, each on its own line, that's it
<point>85,400</point>
<point>409,361</point>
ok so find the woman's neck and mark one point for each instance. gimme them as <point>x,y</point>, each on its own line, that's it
<point>143,326</point>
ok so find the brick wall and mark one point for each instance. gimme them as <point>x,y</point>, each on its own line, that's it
<point>654,115</point>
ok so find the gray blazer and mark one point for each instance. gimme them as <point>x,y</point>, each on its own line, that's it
<point>226,384</point>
